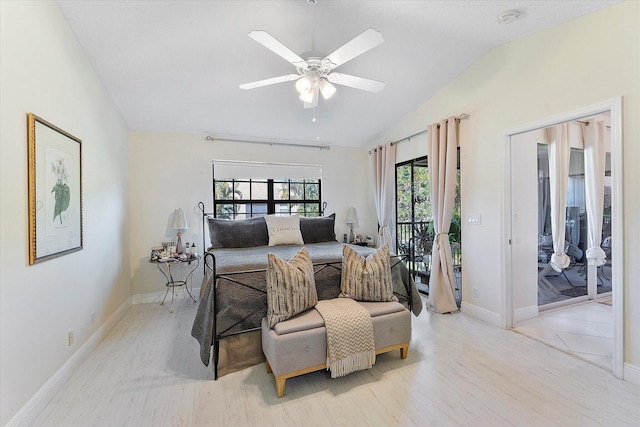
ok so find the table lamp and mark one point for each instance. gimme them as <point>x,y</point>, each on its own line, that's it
<point>179,223</point>
<point>352,220</point>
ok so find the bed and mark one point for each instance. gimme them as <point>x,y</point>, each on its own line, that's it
<point>233,292</point>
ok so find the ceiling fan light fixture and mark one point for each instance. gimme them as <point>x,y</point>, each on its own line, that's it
<point>307,97</point>
<point>303,84</point>
<point>327,89</point>
<point>316,75</point>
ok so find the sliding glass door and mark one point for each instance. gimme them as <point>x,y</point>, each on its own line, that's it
<point>414,226</point>
<point>572,281</point>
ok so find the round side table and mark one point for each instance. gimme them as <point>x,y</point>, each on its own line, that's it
<point>172,283</point>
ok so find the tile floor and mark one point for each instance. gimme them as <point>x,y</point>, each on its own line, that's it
<point>584,330</point>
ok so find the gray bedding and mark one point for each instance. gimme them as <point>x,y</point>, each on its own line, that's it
<point>241,287</point>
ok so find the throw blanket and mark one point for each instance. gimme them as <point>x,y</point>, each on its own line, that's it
<point>350,345</point>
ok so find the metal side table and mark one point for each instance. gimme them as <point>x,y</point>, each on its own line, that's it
<point>172,283</point>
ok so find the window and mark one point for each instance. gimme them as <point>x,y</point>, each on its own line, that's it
<point>245,198</point>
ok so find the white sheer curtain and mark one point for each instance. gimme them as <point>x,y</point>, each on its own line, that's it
<point>594,165</point>
<point>442,162</point>
<point>383,163</point>
<point>559,155</point>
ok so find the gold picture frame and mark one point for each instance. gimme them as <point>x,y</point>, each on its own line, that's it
<point>55,191</point>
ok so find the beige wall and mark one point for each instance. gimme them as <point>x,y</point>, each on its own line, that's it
<point>170,171</point>
<point>581,63</point>
<point>43,70</point>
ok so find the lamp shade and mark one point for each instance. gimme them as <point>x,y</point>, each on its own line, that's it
<point>327,89</point>
<point>307,97</point>
<point>303,84</point>
<point>179,220</point>
<point>352,216</point>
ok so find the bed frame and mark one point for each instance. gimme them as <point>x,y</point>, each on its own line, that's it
<point>210,265</point>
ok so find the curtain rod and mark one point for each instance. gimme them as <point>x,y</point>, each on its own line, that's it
<point>586,123</point>
<point>269,142</point>
<point>463,116</point>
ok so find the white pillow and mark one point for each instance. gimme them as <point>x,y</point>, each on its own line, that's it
<point>284,230</point>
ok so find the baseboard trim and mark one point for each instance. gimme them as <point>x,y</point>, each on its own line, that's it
<point>480,313</point>
<point>525,313</point>
<point>47,392</point>
<point>631,373</point>
<point>156,297</point>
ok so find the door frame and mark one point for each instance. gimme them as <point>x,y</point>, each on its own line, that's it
<point>614,106</point>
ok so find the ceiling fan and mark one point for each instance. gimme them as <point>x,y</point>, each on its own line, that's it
<point>316,75</point>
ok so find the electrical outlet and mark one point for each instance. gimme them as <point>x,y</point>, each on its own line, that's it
<point>70,338</point>
<point>93,318</point>
<point>476,292</point>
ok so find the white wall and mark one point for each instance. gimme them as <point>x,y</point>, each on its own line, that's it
<point>171,170</point>
<point>583,62</point>
<point>43,70</point>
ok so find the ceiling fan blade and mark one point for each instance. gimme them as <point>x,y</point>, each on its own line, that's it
<point>357,46</point>
<point>356,82</point>
<point>268,41</point>
<point>271,81</point>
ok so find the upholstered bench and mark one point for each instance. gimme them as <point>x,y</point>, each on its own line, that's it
<point>299,345</point>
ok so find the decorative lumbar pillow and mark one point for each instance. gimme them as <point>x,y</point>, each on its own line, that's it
<point>291,287</point>
<point>239,233</point>
<point>284,230</point>
<point>319,229</point>
<point>366,279</point>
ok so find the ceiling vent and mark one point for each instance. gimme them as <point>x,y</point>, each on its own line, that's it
<point>508,16</point>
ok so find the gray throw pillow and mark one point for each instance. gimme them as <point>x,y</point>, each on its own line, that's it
<point>366,279</point>
<point>318,229</point>
<point>291,287</point>
<point>239,233</point>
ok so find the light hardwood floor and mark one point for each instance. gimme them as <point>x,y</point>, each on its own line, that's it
<point>459,371</point>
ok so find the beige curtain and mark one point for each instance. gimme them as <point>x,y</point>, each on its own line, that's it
<point>559,154</point>
<point>382,170</point>
<point>442,162</point>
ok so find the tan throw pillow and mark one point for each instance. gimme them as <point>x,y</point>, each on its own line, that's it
<point>366,279</point>
<point>291,287</point>
<point>284,230</point>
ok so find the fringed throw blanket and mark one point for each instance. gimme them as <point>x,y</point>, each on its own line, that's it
<point>350,345</point>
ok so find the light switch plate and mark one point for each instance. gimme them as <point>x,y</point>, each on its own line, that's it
<point>475,219</point>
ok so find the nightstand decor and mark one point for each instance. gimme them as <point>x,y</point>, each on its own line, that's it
<point>179,223</point>
<point>352,220</point>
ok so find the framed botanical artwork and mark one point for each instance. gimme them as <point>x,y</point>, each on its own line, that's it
<point>55,191</point>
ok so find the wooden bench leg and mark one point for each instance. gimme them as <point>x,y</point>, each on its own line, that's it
<point>280,383</point>
<point>404,350</point>
<point>268,368</point>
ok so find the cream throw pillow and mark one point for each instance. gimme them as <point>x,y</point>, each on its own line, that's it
<point>291,287</point>
<point>284,230</point>
<point>366,279</point>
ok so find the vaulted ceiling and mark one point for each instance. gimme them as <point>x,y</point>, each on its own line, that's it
<point>176,65</point>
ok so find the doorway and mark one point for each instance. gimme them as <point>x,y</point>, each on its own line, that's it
<point>522,276</point>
